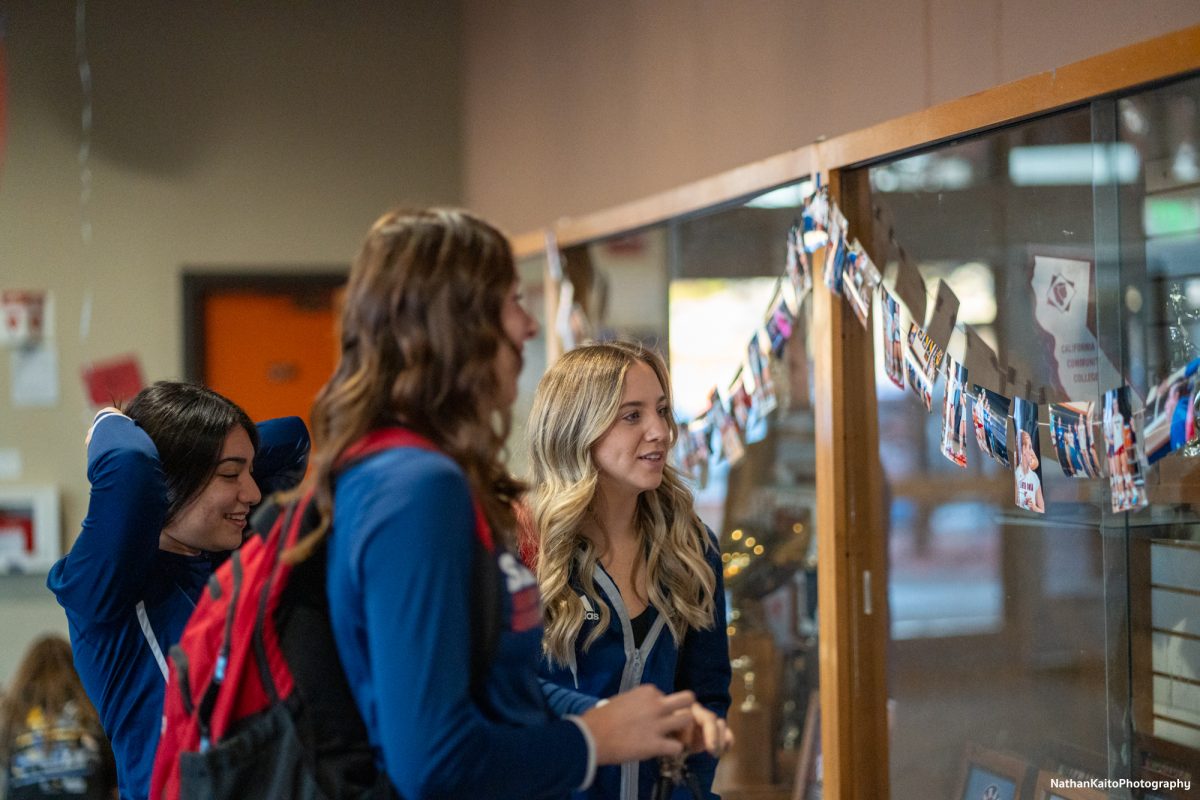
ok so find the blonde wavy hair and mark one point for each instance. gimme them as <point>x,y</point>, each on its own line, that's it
<point>577,401</point>
<point>420,331</point>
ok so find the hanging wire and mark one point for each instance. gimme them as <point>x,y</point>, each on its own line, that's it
<point>85,168</point>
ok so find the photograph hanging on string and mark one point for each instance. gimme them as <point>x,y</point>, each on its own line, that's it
<point>990,416</point>
<point>1027,476</point>
<point>779,328</point>
<point>699,435</point>
<point>758,360</point>
<point>893,348</point>
<point>922,360</point>
<point>835,250</point>
<point>1170,415</point>
<point>954,414</point>
<point>732,449</point>
<point>859,279</point>
<point>1125,478</point>
<point>796,267</point>
<point>815,221</point>
<point>741,404</point>
<point>1072,428</point>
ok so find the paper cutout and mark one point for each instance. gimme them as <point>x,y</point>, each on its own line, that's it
<point>1062,294</point>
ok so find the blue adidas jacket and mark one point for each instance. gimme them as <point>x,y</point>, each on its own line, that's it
<point>399,581</point>
<point>126,600</point>
<point>613,665</point>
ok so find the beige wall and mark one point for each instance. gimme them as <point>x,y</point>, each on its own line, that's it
<point>225,135</point>
<point>574,106</point>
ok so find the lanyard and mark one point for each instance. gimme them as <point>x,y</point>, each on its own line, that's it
<point>673,772</point>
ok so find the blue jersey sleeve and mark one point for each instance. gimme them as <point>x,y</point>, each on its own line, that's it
<point>563,701</point>
<point>704,665</point>
<point>105,572</point>
<point>412,560</point>
<point>282,455</point>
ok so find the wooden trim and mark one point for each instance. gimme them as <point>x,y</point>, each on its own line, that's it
<point>528,244</point>
<point>852,542</point>
<point>1125,68</point>
<point>1145,62</point>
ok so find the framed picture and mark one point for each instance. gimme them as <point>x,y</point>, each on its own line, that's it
<point>29,528</point>
<point>1053,786</point>
<point>991,775</point>
<point>810,777</point>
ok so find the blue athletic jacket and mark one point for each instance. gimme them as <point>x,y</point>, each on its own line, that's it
<point>126,600</point>
<point>613,665</point>
<point>399,581</point>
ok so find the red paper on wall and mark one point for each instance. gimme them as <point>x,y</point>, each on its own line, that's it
<point>110,382</point>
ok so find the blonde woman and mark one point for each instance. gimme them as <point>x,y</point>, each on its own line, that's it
<point>630,576</point>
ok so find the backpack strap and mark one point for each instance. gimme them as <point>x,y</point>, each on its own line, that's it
<point>395,436</point>
<point>298,513</point>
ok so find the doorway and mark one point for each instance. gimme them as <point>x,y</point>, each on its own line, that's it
<point>266,341</point>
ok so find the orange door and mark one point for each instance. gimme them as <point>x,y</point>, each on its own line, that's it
<point>269,351</point>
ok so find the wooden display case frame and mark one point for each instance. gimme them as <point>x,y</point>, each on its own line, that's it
<point>852,568</point>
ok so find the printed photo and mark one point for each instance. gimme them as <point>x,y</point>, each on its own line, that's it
<point>1072,427</point>
<point>1027,476</point>
<point>815,220</point>
<point>922,360</point>
<point>732,449</point>
<point>835,250</point>
<point>893,348</point>
<point>1170,415</point>
<point>1125,477</point>
<point>697,436</point>
<point>779,328</point>
<point>954,414</point>
<point>991,423</point>
<point>859,279</point>
<point>758,361</point>
<point>749,417</point>
<point>979,419</point>
<point>799,275</point>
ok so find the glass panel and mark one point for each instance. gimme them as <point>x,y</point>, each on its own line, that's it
<point>725,281</point>
<point>532,273</point>
<point>620,287</point>
<point>1159,236</point>
<point>998,618</point>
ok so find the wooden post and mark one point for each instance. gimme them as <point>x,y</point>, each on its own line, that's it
<point>852,546</point>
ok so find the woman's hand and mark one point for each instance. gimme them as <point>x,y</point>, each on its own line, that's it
<point>640,724</point>
<point>104,412</point>
<point>709,732</point>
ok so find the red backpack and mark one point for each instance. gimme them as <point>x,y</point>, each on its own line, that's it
<point>257,703</point>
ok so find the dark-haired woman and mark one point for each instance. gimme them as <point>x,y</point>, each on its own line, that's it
<point>173,480</point>
<point>432,338</point>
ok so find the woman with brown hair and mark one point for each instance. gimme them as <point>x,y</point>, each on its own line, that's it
<point>51,743</point>
<point>433,331</point>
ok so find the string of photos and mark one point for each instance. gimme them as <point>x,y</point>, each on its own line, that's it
<point>975,383</point>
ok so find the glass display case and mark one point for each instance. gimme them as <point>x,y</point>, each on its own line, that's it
<point>991,621</point>
<point>1066,641</point>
